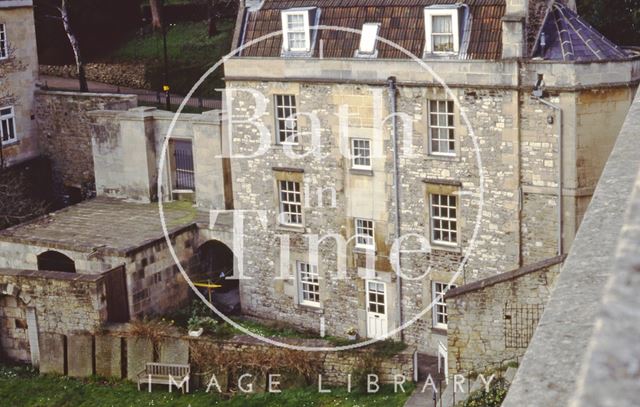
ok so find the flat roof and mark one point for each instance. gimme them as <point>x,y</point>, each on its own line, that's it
<point>110,225</point>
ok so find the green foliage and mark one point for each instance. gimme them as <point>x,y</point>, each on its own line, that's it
<point>493,398</point>
<point>190,54</point>
<point>20,389</point>
<point>618,20</point>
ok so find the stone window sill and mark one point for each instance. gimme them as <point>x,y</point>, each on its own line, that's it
<point>310,308</point>
<point>446,158</point>
<point>290,228</point>
<point>439,331</point>
<point>444,248</point>
<point>355,171</point>
<point>11,144</point>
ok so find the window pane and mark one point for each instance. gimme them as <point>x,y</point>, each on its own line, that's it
<point>442,24</point>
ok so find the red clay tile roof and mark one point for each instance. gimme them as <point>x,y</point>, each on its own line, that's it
<point>402,22</point>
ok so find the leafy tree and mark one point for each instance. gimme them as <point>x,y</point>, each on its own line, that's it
<point>618,20</point>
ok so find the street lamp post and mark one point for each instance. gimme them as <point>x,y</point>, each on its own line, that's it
<point>165,86</point>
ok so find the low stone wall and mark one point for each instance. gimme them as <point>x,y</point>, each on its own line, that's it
<point>127,75</point>
<point>492,321</point>
<point>65,135</point>
<point>116,353</point>
<point>64,302</point>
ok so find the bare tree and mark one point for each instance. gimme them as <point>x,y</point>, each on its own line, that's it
<point>156,7</point>
<point>64,15</point>
<point>75,44</point>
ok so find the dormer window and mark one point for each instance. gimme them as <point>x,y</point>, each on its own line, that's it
<point>368,39</point>
<point>295,31</point>
<point>442,30</point>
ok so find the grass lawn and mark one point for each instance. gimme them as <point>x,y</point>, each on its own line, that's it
<point>190,53</point>
<point>19,387</point>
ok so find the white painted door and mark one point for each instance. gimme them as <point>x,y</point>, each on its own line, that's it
<point>376,309</point>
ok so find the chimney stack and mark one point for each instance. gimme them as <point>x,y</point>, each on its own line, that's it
<point>513,29</point>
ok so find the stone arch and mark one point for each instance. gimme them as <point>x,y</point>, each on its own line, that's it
<point>215,264</point>
<point>52,260</point>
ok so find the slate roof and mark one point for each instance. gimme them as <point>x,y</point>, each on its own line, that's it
<point>402,21</point>
<point>567,37</point>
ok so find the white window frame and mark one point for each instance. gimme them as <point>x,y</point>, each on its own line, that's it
<point>435,126</point>
<point>284,200</point>
<point>442,218</point>
<point>308,283</point>
<point>365,240</point>
<point>438,291</point>
<point>378,288</point>
<point>286,31</point>
<point>429,13</point>
<point>355,154</point>
<point>6,117</point>
<point>4,44</point>
<point>288,106</point>
<point>369,38</point>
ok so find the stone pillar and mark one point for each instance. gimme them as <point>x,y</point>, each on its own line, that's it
<point>208,167</point>
<point>140,175</point>
<point>513,29</point>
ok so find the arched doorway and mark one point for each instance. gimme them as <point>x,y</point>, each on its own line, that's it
<point>56,261</point>
<point>215,264</point>
<point>14,335</point>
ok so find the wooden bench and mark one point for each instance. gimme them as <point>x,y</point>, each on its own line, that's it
<point>165,373</point>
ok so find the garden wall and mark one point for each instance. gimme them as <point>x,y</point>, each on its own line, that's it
<point>492,321</point>
<point>65,135</point>
<point>127,75</point>
<point>115,352</point>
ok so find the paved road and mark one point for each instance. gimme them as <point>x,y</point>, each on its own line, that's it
<point>144,95</point>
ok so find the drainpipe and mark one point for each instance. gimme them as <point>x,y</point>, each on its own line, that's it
<point>560,170</point>
<point>391,82</point>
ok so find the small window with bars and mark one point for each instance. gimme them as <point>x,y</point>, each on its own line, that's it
<point>444,219</point>
<point>286,119</point>
<point>8,125</point>
<point>365,234</point>
<point>290,203</point>
<point>441,128</point>
<point>184,174</point>
<point>440,316</point>
<point>4,45</point>
<point>361,154</point>
<point>308,284</point>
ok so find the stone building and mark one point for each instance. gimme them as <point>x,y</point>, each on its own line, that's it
<point>503,165</point>
<point>18,75</point>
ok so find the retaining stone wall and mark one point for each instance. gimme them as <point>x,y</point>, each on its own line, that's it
<point>109,360</point>
<point>479,335</point>
<point>127,75</point>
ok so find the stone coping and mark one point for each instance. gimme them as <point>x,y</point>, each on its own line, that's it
<point>501,278</point>
<point>54,275</point>
<point>549,374</point>
<point>124,96</point>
